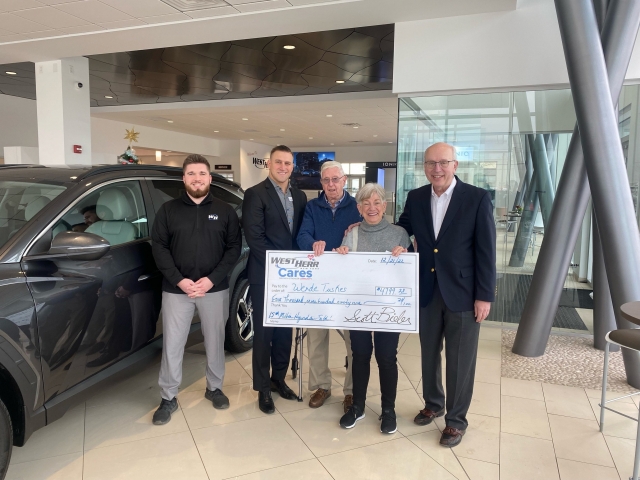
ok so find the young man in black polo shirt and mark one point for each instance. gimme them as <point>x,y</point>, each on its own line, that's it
<point>196,242</point>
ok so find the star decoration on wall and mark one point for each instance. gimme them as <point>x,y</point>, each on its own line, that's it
<point>131,135</point>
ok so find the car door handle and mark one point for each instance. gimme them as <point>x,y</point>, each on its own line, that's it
<point>142,278</point>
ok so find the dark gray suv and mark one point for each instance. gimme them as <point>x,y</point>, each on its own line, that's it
<point>80,294</point>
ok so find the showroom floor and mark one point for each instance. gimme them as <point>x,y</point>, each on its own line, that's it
<point>518,430</point>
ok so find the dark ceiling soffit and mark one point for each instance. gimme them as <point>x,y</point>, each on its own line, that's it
<point>261,67</point>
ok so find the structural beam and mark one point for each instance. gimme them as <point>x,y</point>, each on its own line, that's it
<point>554,257</point>
<point>604,159</point>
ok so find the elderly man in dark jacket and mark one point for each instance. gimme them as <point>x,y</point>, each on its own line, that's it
<point>325,220</point>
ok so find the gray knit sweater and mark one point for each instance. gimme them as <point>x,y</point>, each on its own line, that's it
<point>377,238</point>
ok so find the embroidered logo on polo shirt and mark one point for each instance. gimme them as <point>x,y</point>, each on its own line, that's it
<point>213,217</point>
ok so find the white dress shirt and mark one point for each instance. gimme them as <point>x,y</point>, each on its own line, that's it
<point>439,205</point>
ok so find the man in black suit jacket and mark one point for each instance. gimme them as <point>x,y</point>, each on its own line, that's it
<point>455,234</point>
<point>272,212</point>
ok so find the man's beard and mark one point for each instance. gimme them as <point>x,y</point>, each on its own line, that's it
<point>202,192</point>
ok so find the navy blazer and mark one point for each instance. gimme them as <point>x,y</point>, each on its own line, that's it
<point>266,227</point>
<point>463,257</point>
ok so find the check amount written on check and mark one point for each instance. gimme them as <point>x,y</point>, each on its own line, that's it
<point>356,291</point>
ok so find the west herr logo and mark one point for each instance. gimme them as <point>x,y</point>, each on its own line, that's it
<point>300,262</point>
<point>259,162</point>
<point>213,217</point>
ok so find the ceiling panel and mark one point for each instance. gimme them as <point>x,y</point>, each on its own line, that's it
<point>259,67</point>
<point>376,117</point>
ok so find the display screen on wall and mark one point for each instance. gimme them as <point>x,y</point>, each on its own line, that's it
<point>306,168</point>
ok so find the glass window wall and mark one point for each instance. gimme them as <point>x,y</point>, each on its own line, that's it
<point>513,145</point>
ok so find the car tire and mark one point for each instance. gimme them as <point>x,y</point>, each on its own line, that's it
<point>239,328</point>
<point>6,439</point>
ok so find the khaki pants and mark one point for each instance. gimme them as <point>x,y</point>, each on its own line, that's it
<point>319,373</point>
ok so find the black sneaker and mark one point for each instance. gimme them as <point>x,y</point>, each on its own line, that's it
<point>388,418</point>
<point>163,414</point>
<point>350,418</point>
<point>219,399</point>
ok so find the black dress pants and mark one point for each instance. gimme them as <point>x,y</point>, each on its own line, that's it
<point>271,345</point>
<point>460,332</point>
<point>386,348</point>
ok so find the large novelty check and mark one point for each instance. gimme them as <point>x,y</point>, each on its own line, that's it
<point>356,291</point>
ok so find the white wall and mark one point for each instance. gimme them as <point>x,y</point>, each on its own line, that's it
<point>18,122</point>
<point>21,155</point>
<point>250,174</point>
<point>516,49</point>
<point>108,140</point>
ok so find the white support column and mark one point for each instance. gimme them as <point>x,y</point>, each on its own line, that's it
<point>62,92</point>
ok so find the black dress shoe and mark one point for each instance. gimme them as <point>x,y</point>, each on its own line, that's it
<point>283,389</point>
<point>265,402</point>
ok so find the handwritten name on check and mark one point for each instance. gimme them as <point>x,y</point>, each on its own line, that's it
<point>357,291</point>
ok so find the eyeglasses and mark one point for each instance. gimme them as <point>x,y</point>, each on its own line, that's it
<point>443,164</point>
<point>327,181</point>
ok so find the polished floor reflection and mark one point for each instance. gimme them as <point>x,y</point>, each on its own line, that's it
<point>519,430</point>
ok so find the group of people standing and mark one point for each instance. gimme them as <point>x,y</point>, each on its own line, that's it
<point>197,239</point>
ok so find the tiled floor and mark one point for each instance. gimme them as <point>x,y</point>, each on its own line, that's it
<point>519,430</point>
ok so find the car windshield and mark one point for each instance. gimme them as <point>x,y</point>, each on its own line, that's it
<point>20,202</point>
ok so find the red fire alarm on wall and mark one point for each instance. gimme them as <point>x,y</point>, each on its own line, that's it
<point>77,149</point>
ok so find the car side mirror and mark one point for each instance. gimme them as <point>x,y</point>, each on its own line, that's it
<point>77,246</point>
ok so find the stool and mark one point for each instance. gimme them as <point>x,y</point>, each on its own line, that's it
<point>626,338</point>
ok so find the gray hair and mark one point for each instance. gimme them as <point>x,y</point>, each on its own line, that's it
<point>366,192</point>
<point>331,164</point>
<point>454,154</point>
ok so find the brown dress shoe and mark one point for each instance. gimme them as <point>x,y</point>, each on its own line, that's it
<point>318,397</point>
<point>426,416</point>
<point>347,402</point>
<point>451,437</point>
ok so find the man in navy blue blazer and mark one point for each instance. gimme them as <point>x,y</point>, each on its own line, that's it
<point>454,229</point>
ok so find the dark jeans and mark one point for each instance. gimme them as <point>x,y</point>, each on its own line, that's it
<point>386,345</point>
<point>460,332</point>
<point>271,346</point>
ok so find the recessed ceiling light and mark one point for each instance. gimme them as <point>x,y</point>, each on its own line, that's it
<point>11,73</point>
<point>169,121</point>
<point>339,81</point>
<point>375,135</point>
<point>282,129</point>
<point>289,47</point>
<point>245,119</point>
<point>390,142</point>
<point>355,127</point>
<point>251,139</point>
<point>310,138</point>
<point>108,96</point>
<point>216,131</point>
<point>332,144</point>
<point>329,116</point>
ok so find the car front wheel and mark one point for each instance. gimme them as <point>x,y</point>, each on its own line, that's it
<point>239,329</point>
<point>6,439</point>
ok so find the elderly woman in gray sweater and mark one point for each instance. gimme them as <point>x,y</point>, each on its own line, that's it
<point>375,234</point>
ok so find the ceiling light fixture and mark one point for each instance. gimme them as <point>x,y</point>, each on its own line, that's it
<point>251,139</point>
<point>169,121</point>
<point>11,73</point>
<point>216,131</point>
<point>332,144</point>
<point>375,135</point>
<point>158,155</point>
<point>310,138</point>
<point>355,127</point>
<point>245,119</point>
<point>339,81</point>
<point>329,116</point>
<point>390,142</point>
<point>289,47</point>
<point>108,96</point>
<point>282,129</point>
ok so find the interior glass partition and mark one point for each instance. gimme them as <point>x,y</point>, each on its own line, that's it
<point>513,145</point>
